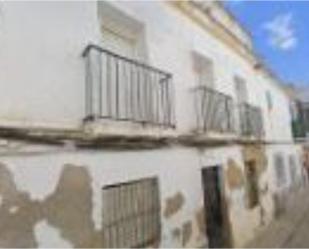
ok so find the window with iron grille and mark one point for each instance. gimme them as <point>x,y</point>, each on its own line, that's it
<point>131,214</point>
<point>280,170</point>
<point>292,166</point>
<point>252,184</point>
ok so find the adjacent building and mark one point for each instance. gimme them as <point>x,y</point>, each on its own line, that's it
<point>138,124</point>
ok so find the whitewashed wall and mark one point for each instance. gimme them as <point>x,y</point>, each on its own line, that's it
<point>43,71</point>
<point>42,82</point>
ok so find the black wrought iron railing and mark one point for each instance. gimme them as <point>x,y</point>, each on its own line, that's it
<point>251,121</point>
<point>123,89</point>
<point>214,111</point>
<point>300,121</point>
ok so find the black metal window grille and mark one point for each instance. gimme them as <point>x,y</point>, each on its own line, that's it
<point>214,110</point>
<point>292,166</point>
<point>251,120</point>
<point>123,89</point>
<point>131,214</point>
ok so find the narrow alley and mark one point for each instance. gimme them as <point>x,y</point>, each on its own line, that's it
<point>290,230</point>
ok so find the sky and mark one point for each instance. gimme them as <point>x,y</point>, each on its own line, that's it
<point>280,31</point>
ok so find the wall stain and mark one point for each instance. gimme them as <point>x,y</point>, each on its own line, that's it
<point>200,220</point>
<point>176,233</point>
<point>173,204</point>
<point>256,153</point>
<point>186,232</point>
<point>68,209</point>
<point>234,175</point>
<point>16,229</point>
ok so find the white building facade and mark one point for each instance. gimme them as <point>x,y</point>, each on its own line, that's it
<point>137,124</point>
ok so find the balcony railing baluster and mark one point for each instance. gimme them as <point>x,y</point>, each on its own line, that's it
<point>213,111</point>
<point>251,120</point>
<point>122,89</point>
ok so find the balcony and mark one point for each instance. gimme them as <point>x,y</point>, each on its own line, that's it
<point>300,121</point>
<point>251,121</point>
<point>214,111</point>
<point>122,89</point>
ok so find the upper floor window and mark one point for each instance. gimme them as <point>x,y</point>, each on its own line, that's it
<point>241,90</point>
<point>121,34</point>
<point>269,100</point>
<point>204,70</point>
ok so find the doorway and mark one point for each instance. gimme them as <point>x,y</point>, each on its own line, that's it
<point>213,204</point>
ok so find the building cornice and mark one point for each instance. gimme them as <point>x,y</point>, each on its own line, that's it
<point>209,23</point>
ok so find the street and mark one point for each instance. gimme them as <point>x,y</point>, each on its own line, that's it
<point>290,230</point>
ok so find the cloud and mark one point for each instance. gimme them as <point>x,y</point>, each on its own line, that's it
<point>281,32</point>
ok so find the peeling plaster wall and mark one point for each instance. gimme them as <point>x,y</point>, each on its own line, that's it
<point>61,194</point>
<point>244,222</point>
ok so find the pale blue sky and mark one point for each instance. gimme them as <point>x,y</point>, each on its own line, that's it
<point>280,30</point>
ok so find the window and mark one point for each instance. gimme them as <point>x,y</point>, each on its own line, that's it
<point>121,33</point>
<point>252,184</point>
<point>241,90</point>
<point>292,166</point>
<point>204,70</point>
<point>280,170</point>
<point>131,214</point>
<point>269,100</point>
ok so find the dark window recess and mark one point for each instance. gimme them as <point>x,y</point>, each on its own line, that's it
<point>131,214</point>
<point>216,228</point>
<point>252,184</point>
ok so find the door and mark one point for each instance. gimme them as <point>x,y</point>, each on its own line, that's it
<point>213,207</point>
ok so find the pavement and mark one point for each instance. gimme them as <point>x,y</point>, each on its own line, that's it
<point>291,229</point>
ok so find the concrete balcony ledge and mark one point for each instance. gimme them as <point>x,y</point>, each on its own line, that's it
<point>122,135</point>
<point>250,140</point>
<point>93,137</point>
<point>207,139</point>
